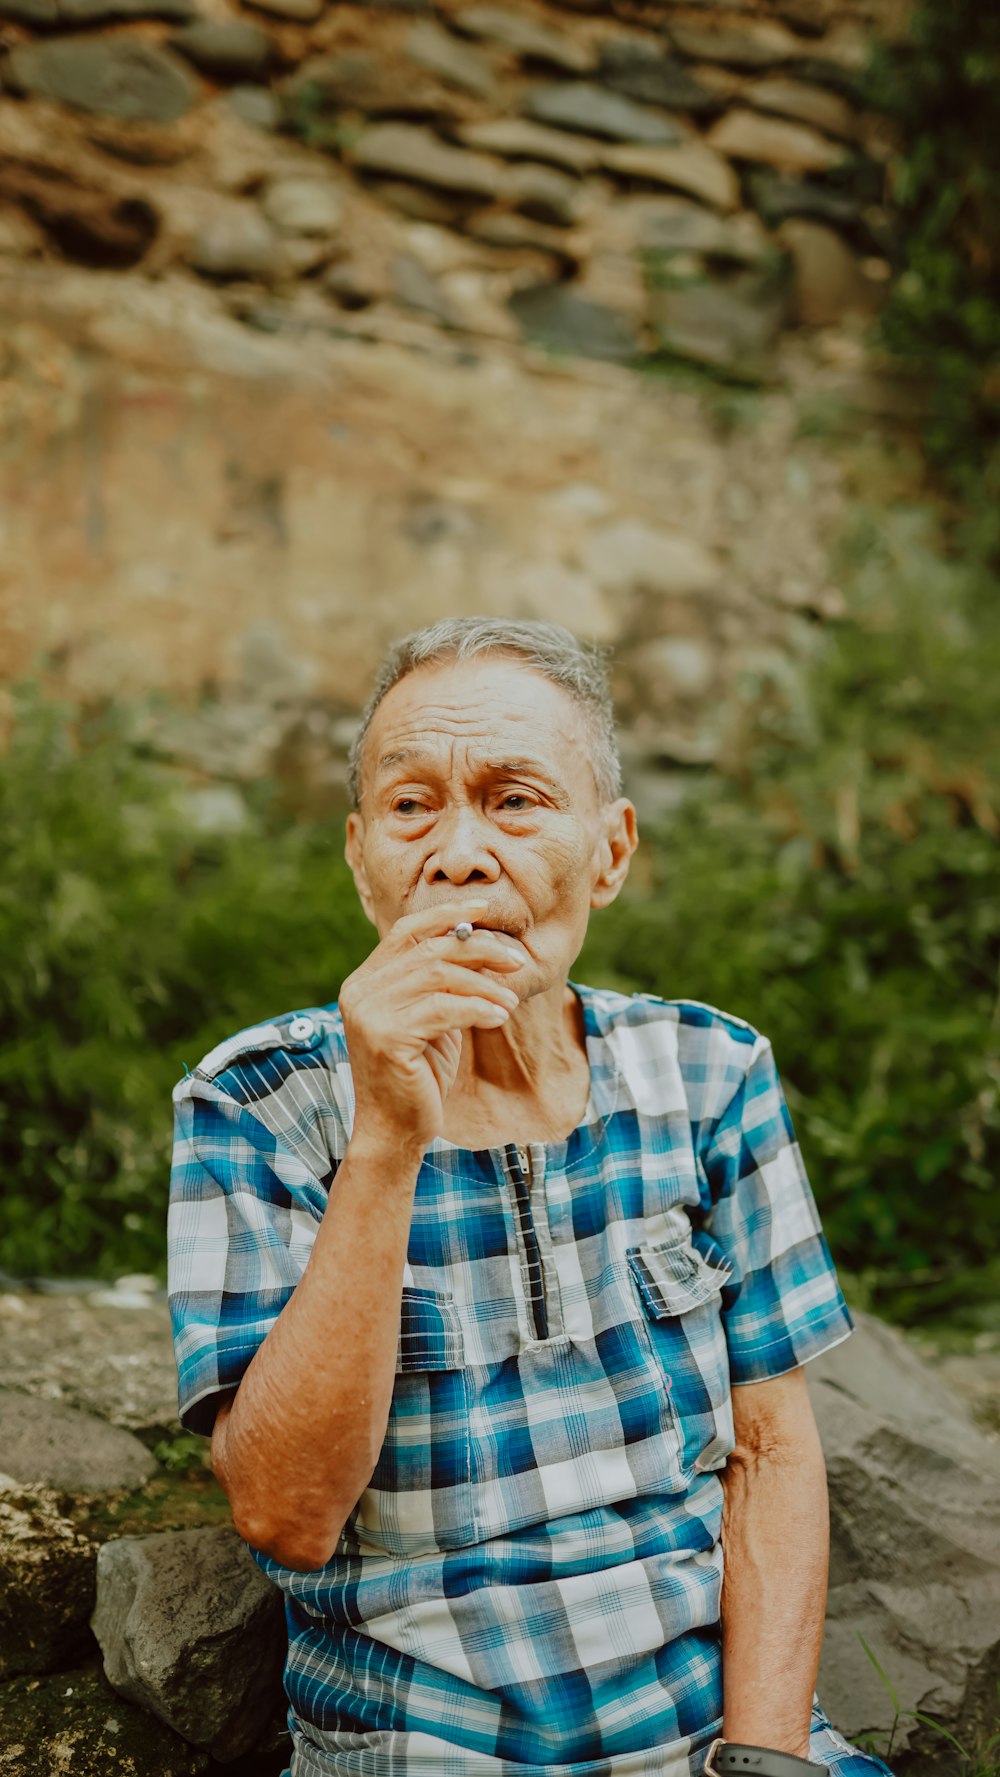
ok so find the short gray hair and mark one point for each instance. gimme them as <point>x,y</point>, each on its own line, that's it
<point>581,668</point>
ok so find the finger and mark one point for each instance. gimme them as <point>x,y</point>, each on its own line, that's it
<point>485,949</point>
<point>440,1012</point>
<point>434,921</point>
<point>440,976</point>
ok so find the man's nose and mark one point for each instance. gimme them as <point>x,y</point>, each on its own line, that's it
<point>462,849</point>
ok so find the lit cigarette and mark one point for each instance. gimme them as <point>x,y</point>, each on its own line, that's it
<point>463,929</point>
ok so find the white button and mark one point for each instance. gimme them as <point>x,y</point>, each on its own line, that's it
<point>300,1028</point>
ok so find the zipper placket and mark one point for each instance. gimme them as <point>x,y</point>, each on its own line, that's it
<point>519,1168</point>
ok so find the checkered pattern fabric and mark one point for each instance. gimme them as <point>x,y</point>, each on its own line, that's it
<point>530,1584</point>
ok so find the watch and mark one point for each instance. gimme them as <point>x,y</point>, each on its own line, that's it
<point>726,1758</point>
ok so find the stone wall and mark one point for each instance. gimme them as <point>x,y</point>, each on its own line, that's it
<point>320,321</point>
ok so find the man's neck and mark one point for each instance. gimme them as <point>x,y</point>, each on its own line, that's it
<point>523,1081</point>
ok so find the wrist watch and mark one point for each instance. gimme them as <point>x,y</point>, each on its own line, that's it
<point>726,1758</point>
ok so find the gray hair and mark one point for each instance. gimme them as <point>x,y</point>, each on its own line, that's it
<point>581,668</point>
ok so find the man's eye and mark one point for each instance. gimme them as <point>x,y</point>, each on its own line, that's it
<point>404,804</point>
<point>515,796</point>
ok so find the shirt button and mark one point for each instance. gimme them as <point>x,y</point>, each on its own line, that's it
<point>300,1028</point>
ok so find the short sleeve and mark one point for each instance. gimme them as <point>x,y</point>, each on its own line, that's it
<point>244,1211</point>
<point>783,1304</point>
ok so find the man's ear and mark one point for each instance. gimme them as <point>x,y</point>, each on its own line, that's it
<point>617,842</point>
<point>354,853</point>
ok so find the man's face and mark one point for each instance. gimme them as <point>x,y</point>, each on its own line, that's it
<point>476,777</point>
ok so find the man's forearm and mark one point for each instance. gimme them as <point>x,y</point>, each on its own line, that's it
<point>297,1446</point>
<point>776,1541</point>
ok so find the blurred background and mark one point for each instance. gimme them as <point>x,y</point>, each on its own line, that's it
<point>677,324</point>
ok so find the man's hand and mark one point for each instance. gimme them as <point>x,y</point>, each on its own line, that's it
<point>404,1011</point>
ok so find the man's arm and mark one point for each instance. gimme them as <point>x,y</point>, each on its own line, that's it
<point>776,1545</point>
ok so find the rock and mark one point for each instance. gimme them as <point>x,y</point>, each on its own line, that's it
<point>552,315</point>
<point>630,555</point>
<point>500,228</point>
<point>409,152</point>
<point>237,242</point>
<point>21,239</point>
<point>677,666</point>
<point>348,284</point>
<point>731,327</point>
<point>191,1630</point>
<point>520,140</point>
<point>46,1583</point>
<point>117,76</point>
<point>542,193</point>
<point>232,49</point>
<point>108,12</point>
<point>807,104</point>
<point>809,18</point>
<point>74,1722</point>
<point>255,105</point>
<point>40,15</point>
<point>751,45</point>
<point>745,135</point>
<point>642,71</point>
<point>47,1443</point>
<point>775,197</point>
<point>692,167</point>
<point>594,111</point>
<point>354,80</point>
<point>915,1529</point>
<point>666,225</point>
<point>432,47</point>
<point>64,1349</point>
<point>413,286</point>
<point>91,227</point>
<point>829,281</point>
<point>444,210</point>
<point>299,12</point>
<point>303,206</point>
<point>527,37</point>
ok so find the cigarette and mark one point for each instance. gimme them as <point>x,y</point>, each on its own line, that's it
<point>463,929</point>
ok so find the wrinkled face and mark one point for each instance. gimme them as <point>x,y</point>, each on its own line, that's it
<point>476,777</point>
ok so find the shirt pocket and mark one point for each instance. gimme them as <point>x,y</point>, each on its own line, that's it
<point>680,1294</point>
<point>419,1498</point>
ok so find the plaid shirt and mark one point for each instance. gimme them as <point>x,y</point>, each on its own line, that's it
<point>530,1584</point>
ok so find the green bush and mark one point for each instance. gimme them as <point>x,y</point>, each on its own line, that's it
<point>837,884</point>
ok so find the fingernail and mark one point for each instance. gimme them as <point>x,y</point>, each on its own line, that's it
<point>516,954</point>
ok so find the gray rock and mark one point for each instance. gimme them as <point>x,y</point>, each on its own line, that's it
<point>56,1446</point>
<point>116,1364</point>
<point>915,1534</point>
<point>501,228</point>
<point>527,37</point>
<point>74,1722</point>
<point>40,15</point>
<point>773,141</point>
<point>751,45</point>
<point>732,327</point>
<point>445,210</point>
<point>691,167</point>
<point>117,77</point>
<point>303,206</point>
<point>255,105</point>
<point>299,12</point>
<point>804,103</point>
<point>518,139</point>
<point>543,193</point>
<point>553,316</point>
<point>192,1631</point>
<point>776,197</point>
<point>238,243</point>
<point>46,1582</point>
<point>671,225</point>
<point>108,12</point>
<point>642,71</point>
<point>409,152</point>
<point>594,111</point>
<point>232,49</point>
<point>432,47</point>
<point>628,556</point>
<point>348,285</point>
<point>354,80</point>
<point>414,287</point>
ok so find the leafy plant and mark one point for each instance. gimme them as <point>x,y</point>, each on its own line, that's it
<point>982,1761</point>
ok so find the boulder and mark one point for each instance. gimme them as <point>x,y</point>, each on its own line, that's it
<point>691,167</point>
<point>45,1443</point>
<point>751,45</point>
<point>518,139</point>
<point>46,1582</point>
<point>811,105</point>
<point>432,47</point>
<point>116,76</point>
<point>73,1722</point>
<point>118,1364</point>
<point>594,111</point>
<point>409,152</point>
<point>642,71</point>
<point>228,49</point>
<point>525,37</point>
<point>192,1631</point>
<point>915,1534</point>
<point>554,316</point>
<point>791,147</point>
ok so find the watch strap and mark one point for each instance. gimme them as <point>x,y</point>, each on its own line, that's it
<point>734,1758</point>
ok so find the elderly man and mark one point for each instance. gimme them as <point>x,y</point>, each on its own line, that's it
<point>494,1289</point>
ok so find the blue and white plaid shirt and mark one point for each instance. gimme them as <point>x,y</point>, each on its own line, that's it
<point>530,1584</point>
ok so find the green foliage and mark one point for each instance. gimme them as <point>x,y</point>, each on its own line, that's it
<point>837,884</point>
<point>942,88</point>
